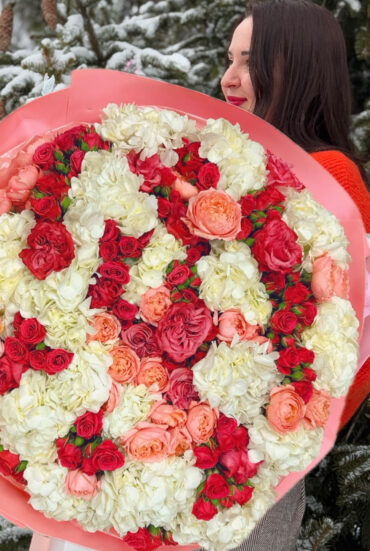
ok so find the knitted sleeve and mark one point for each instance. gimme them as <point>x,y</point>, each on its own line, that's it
<point>348,175</point>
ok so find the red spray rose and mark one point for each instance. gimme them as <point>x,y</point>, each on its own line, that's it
<point>111,231</point>
<point>44,155</point>
<point>124,310</point>
<point>304,389</point>
<point>108,250</point>
<point>16,350</point>
<point>179,274</point>
<point>57,360</point>
<point>105,292</point>
<point>89,424</point>
<point>206,457</point>
<point>204,510</point>
<point>107,457</point>
<point>76,160</point>
<point>8,462</point>
<point>284,321</point>
<point>216,487</point>
<point>70,456</point>
<point>288,359</point>
<point>296,294</point>
<point>276,247</point>
<point>46,208</point>
<point>31,331</point>
<point>280,174</point>
<point>52,184</point>
<point>116,271</point>
<point>10,374</point>
<point>183,329</point>
<point>130,247</point>
<point>242,496</point>
<point>37,359</point>
<point>247,204</point>
<point>208,176</point>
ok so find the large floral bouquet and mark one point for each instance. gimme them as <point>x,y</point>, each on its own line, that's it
<point>172,302</point>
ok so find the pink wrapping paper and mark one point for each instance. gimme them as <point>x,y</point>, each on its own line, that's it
<point>90,91</point>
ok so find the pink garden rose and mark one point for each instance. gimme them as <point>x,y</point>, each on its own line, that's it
<point>107,328</point>
<point>147,442</point>
<point>213,214</point>
<point>181,390</point>
<point>82,485</point>
<point>286,409</point>
<point>185,189</point>
<point>201,422</point>
<point>180,440</point>
<point>153,374</point>
<point>113,398</point>
<point>126,364</point>
<point>154,304</point>
<point>317,410</point>
<point>232,322</point>
<point>328,279</point>
<point>21,184</point>
<point>5,203</point>
<point>166,414</point>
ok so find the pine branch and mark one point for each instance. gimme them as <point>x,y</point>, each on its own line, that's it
<point>90,30</point>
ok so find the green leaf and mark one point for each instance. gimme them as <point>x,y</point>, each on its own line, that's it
<point>250,241</point>
<point>58,155</point>
<point>21,467</point>
<point>66,203</point>
<point>40,346</point>
<point>64,169</point>
<point>79,441</point>
<point>38,194</point>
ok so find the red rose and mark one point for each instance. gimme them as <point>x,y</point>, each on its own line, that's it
<point>225,425</point>
<point>141,338</point>
<point>188,295</point>
<point>149,168</point>
<point>57,360</point>
<point>181,390</point>
<point>216,487</point>
<point>52,249</point>
<point>44,155</point>
<point>164,207</point>
<point>189,161</point>
<point>269,197</point>
<point>70,456</point>
<point>170,365</point>
<point>8,462</point>
<point>124,310</point>
<point>208,176</point>
<point>31,332</point>
<point>46,208</point>
<point>288,359</point>
<point>89,424</point>
<point>273,214</point>
<point>144,239</point>
<point>93,140</point>
<point>304,389</point>
<point>108,250</point>
<point>284,321</point>
<point>193,255</point>
<point>130,247</point>
<point>204,510</point>
<point>274,281</point>
<point>241,437</point>
<point>10,374</point>
<point>115,270</point>
<point>241,496</point>
<point>206,458</point>
<point>167,176</point>
<point>247,204</point>
<point>309,374</point>
<point>67,140</point>
<point>105,292</point>
<point>246,229</point>
<point>17,320</point>
<point>279,173</point>
<point>76,160</point>
<point>305,355</point>
<point>107,457</point>
<point>16,350</point>
<point>179,275</point>
<point>308,313</point>
<point>275,247</point>
<point>296,294</point>
<point>226,502</point>
<point>236,463</point>
<point>111,231</point>
<point>140,540</point>
<point>37,359</point>
<point>183,329</point>
<point>177,227</point>
<point>52,184</point>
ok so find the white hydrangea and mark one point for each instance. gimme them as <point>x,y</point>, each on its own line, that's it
<point>29,423</point>
<point>242,162</point>
<point>333,338</point>
<point>284,453</point>
<point>230,279</point>
<point>153,492</point>
<point>14,230</point>
<point>134,406</point>
<point>237,379</point>
<point>318,230</point>
<point>150,270</point>
<point>146,129</point>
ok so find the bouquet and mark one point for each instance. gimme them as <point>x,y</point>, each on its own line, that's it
<point>172,299</point>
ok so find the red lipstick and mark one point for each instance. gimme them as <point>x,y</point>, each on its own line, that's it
<point>234,100</point>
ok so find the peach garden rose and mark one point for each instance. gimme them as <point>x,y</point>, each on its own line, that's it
<point>213,214</point>
<point>201,422</point>
<point>147,442</point>
<point>286,409</point>
<point>153,374</point>
<point>107,328</point>
<point>154,304</point>
<point>126,364</point>
<point>232,322</point>
<point>328,279</point>
<point>317,410</point>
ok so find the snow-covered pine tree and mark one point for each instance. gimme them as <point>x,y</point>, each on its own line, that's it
<point>180,41</point>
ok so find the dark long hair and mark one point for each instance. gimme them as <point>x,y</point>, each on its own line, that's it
<point>298,68</point>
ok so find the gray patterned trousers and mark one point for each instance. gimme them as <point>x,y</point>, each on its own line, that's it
<point>278,529</point>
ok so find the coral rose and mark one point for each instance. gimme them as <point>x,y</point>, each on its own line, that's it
<point>154,304</point>
<point>166,414</point>
<point>82,485</point>
<point>5,203</point>
<point>107,328</point>
<point>213,214</point>
<point>113,398</point>
<point>185,189</point>
<point>328,279</point>
<point>126,364</point>
<point>147,442</point>
<point>286,409</point>
<point>21,184</point>
<point>317,410</point>
<point>153,374</point>
<point>180,440</point>
<point>231,323</point>
<point>201,422</point>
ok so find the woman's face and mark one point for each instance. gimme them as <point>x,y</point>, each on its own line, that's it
<point>236,83</point>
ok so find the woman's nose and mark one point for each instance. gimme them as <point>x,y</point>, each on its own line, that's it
<point>230,78</point>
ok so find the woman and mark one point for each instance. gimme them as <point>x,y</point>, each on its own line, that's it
<point>287,64</point>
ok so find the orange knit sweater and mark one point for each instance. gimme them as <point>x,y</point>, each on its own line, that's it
<point>348,175</point>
